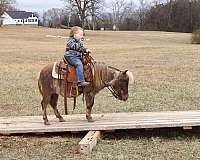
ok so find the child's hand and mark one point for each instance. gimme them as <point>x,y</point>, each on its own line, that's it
<point>88,51</point>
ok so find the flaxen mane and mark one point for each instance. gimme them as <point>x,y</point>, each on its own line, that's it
<point>101,74</point>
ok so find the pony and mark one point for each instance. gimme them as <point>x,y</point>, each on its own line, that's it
<point>115,80</point>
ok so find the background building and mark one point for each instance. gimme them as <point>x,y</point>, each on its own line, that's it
<point>19,18</point>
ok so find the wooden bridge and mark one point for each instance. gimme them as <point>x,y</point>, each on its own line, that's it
<point>107,121</point>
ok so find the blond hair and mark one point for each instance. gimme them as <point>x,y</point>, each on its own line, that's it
<point>74,30</point>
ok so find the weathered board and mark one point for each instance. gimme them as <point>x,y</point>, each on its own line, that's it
<point>88,142</point>
<point>107,121</point>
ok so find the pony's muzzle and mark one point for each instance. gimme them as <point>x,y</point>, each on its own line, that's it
<point>125,98</point>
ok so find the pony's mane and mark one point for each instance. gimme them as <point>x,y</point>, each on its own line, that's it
<point>101,74</point>
<point>104,73</point>
<point>131,77</point>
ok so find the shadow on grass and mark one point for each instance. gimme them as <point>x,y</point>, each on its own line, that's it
<point>46,135</point>
<point>166,133</point>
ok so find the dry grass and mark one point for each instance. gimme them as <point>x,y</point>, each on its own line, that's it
<point>196,37</point>
<point>166,67</point>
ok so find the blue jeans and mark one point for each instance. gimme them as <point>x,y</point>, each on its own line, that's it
<point>75,60</point>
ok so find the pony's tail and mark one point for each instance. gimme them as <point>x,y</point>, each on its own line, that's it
<point>131,77</point>
<point>39,84</point>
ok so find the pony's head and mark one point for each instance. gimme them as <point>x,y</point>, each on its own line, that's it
<point>119,85</point>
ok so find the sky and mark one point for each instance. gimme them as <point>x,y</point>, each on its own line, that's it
<point>38,5</point>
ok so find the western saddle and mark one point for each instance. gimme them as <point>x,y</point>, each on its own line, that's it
<point>67,72</point>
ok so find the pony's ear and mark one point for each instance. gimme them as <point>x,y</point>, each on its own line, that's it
<point>124,72</point>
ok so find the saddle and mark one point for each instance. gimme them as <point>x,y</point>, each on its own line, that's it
<point>63,70</point>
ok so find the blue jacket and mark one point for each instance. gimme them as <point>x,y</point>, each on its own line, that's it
<point>74,48</point>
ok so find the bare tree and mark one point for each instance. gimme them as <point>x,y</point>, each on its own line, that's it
<point>53,17</point>
<point>120,8</point>
<point>6,5</point>
<point>130,20</point>
<point>170,11</point>
<point>81,7</point>
<point>174,15</point>
<point>97,7</point>
<point>142,10</point>
<point>120,15</point>
<point>84,8</point>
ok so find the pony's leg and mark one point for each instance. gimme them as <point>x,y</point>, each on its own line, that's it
<point>53,103</point>
<point>44,104</point>
<point>89,104</point>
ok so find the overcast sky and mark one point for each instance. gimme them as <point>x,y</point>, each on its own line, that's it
<point>38,5</point>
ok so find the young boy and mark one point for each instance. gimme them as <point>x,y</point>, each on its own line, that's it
<point>75,51</point>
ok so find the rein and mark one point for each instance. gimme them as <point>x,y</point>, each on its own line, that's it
<point>114,68</point>
<point>110,88</point>
<point>114,93</point>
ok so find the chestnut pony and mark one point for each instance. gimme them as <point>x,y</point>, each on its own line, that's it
<point>104,76</point>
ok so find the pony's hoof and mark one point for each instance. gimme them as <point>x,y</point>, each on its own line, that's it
<point>46,123</point>
<point>90,120</point>
<point>62,120</point>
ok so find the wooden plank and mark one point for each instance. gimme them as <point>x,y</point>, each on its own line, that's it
<point>88,142</point>
<point>107,121</point>
<point>187,127</point>
<point>148,129</point>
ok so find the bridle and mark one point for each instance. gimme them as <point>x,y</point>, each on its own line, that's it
<point>111,88</point>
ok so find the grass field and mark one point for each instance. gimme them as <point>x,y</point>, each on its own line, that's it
<point>166,69</point>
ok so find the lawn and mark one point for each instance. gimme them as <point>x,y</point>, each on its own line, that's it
<point>165,66</point>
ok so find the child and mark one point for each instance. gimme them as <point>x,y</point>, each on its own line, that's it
<point>75,51</point>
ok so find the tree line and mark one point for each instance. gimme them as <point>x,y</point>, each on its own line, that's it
<point>160,15</point>
<point>7,5</point>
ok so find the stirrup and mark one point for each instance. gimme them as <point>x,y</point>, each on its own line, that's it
<point>74,90</point>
